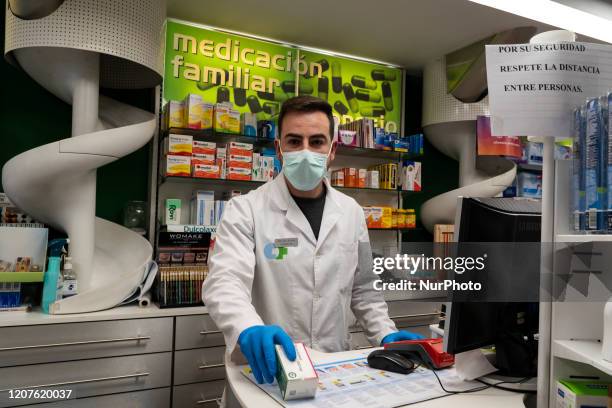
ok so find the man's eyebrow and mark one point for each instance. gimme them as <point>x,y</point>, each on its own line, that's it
<point>294,135</point>
<point>319,135</point>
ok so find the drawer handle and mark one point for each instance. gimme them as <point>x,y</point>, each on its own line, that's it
<point>206,401</point>
<point>415,315</point>
<point>202,367</point>
<point>75,343</point>
<point>117,377</point>
<point>205,333</point>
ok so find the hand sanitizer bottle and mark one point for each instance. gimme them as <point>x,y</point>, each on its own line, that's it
<point>52,285</point>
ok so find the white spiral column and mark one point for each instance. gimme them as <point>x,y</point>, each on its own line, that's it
<point>72,48</point>
<point>450,125</point>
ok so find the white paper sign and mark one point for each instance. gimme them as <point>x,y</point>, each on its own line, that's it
<point>534,87</point>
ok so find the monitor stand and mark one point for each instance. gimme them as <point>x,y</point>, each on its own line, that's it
<point>528,385</point>
<point>480,364</point>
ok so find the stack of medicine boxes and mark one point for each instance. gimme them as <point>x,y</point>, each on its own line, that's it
<point>239,161</point>
<point>177,153</point>
<point>204,210</point>
<point>206,160</point>
<point>185,157</point>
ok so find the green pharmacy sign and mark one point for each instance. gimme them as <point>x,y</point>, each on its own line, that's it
<point>354,88</point>
<point>257,76</point>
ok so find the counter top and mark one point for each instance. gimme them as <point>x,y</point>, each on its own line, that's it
<point>249,395</point>
<point>36,317</point>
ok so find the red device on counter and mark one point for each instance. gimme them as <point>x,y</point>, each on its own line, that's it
<point>428,351</point>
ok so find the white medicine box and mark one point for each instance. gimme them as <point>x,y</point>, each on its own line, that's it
<point>296,379</point>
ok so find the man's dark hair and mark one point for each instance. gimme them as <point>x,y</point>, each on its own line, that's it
<point>306,104</point>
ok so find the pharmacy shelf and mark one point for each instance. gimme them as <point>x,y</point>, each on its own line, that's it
<point>189,228</point>
<point>375,153</point>
<point>255,184</point>
<point>529,167</point>
<point>210,135</point>
<point>23,277</point>
<point>382,190</point>
<point>218,137</point>
<point>415,229</point>
<point>582,351</point>
<point>581,238</point>
<point>213,228</point>
<point>213,181</point>
<point>393,229</point>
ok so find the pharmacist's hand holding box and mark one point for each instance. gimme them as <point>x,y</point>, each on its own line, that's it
<point>257,343</point>
<point>272,355</point>
<point>296,379</point>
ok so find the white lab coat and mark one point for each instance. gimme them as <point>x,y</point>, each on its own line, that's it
<point>312,289</point>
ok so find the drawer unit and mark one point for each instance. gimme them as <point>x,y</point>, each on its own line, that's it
<point>73,341</point>
<point>359,341</point>
<point>197,331</point>
<point>412,324</point>
<point>407,313</point>
<point>158,398</point>
<point>422,330</point>
<point>89,377</point>
<point>198,365</point>
<point>203,395</point>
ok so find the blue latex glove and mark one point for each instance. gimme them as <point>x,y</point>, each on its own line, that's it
<point>399,336</point>
<point>257,345</point>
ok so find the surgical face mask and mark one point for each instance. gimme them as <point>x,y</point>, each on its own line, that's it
<point>304,169</point>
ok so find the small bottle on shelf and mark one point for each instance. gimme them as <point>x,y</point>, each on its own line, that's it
<point>69,286</point>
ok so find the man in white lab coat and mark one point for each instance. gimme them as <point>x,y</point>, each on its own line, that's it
<point>292,258</point>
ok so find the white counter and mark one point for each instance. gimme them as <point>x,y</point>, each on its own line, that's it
<point>22,318</point>
<point>249,395</point>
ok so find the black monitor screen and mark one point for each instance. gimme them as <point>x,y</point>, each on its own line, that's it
<point>474,324</point>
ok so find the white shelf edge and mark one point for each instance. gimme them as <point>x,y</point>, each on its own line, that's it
<point>582,351</point>
<point>530,167</point>
<point>189,228</point>
<point>36,317</point>
<point>583,237</point>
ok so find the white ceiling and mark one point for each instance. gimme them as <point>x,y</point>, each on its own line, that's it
<point>408,33</point>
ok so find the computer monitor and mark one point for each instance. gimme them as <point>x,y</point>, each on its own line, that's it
<point>493,317</point>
